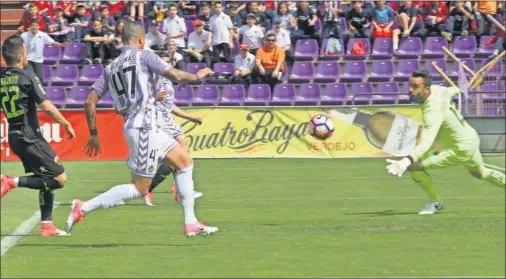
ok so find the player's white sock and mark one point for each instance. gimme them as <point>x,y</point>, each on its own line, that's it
<point>495,177</point>
<point>117,195</point>
<point>184,187</point>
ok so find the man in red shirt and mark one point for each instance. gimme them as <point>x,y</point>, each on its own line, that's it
<point>33,13</point>
<point>434,17</point>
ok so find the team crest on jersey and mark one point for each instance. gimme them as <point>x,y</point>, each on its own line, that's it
<point>151,169</point>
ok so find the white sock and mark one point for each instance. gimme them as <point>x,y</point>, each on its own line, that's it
<point>16,181</point>
<point>117,195</point>
<point>184,186</point>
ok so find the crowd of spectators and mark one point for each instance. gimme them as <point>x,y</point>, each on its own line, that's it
<point>265,31</point>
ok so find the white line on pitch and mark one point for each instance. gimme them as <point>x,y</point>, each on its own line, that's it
<point>26,227</point>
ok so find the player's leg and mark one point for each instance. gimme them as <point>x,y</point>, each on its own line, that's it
<point>164,170</point>
<point>182,141</point>
<point>476,166</point>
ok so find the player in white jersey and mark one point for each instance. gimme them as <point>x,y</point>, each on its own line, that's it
<point>131,80</point>
<point>166,109</point>
<point>441,119</point>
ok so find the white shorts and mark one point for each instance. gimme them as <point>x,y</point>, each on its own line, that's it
<point>146,149</point>
<point>171,127</point>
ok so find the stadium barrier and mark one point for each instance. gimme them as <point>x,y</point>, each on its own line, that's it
<point>250,132</point>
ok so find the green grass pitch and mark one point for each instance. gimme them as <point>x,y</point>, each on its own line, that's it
<point>277,218</point>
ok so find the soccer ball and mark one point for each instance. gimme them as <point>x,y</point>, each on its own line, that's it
<point>321,127</point>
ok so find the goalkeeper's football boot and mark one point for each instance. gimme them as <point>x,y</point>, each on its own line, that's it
<point>432,207</point>
<point>75,216</point>
<point>48,229</point>
<point>199,228</point>
<point>148,199</point>
<point>7,184</point>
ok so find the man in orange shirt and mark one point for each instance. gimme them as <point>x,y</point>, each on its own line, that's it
<point>481,9</point>
<point>270,61</point>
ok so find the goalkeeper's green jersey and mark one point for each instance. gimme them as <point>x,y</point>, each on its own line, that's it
<point>441,119</point>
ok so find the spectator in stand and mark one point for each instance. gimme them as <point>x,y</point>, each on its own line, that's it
<point>159,10</point>
<point>188,8</point>
<point>292,6</point>
<point>306,23</point>
<point>359,22</point>
<point>237,19</point>
<point>117,40</point>
<point>155,39</point>
<point>251,34</point>
<point>330,14</point>
<point>481,9</point>
<point>199,44</point>
<point>97,42</point>
<point>407,23</point>
<point>117,9</point>
<point>288,21</point>
<point>174,28</point>
<point>59,29</point>
<point>499,40</point>
<point>106,20</point>
<point>270,61</point>
<point>136,10</point>
<point>93,10</point>
<point>69,8</point>
<point>205,16</point>
<point>383,21</point>
<point>35,41</point>
<point>220,25</point>
<point>244,64</point>
<point>458,21</point>
<point>45,9</point>
<point>261,17</point>
<point>33,14</point>
<point>174,58</point>
<point>283,39</point>
<point>80,21</point>
<point>435,15</point>
<point>241,8</point>
<point>346,6</point>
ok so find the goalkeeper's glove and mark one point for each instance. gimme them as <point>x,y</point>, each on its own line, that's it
<point>397,168</point>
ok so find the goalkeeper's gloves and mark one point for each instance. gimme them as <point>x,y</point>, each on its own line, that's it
<point>397,168</point>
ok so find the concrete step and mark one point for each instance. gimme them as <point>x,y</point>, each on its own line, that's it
<point>6,33</point>
<point>12,14</point>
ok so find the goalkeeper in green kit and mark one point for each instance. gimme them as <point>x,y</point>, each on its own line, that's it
<point>462,144</point>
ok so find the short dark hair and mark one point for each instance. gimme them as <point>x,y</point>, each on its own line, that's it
<point>425,75</point>
<point>32,5</point>
<point>270,35</point>
<point>34,21</point>
<point>217,2</point>
<point>12,48</point>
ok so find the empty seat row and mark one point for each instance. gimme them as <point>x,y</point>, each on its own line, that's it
<point>75,97</point>
<point>67,75</point>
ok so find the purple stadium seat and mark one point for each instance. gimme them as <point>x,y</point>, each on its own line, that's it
<point>349,47</point>
<point>222,68</point>
<point>441,63</point>
<point>306,50</point>
<point>410,47</point>
<point>464,46</point>
<point>405,68</point>
<point>189,27</point>
<point>404,93</point>
<point>334,94</point>
<point>235,51</point>
<point>190,17</point>
<point>233,95</point>
<point>354,71</point>
<point>106,101</point>
<point>207,95</point>
<point>258,95</point>
<point>493,87</point>
<point>283,94</point>
<point>90,73</point>
<point>309,94</point>
<point>382,70</point>
<point>344,25</point>
<point>66,75</point>
<point>484,51</point>
<point>302,72</point>
<point>455,67</point>
<point>52,55</point>
<point>382,49</point>
<point>327,72</point>
<point>48,74</point>
<point>183,95</point>
<point>77,96</point>
<point>361,93</point>
<point>57,96</point>
<point>73,54</point>
<point>387,93</point>
<point>497,71</point>
<point>433,47</point>
<point>193,68</point>
<point>333,57</point>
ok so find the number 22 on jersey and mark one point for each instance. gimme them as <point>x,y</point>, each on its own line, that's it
<point>10,97</point>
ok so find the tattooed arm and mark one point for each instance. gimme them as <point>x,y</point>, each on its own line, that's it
<point>93,145</point>
<point>182,76</point>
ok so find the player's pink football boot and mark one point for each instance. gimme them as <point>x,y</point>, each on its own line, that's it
<point>148,199</point>
<point>7,184</point>
<point>173,189</point>
<point>199,228</point>
<point>75,216</point>
<point>48,229</point>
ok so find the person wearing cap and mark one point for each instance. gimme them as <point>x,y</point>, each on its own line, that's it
<point>244,63</point>
<point>155,40</point>
<point>282,38</point>
<point>97,42</point>
<point>251,34</point>
<point>35,41</point>
<point>174,28</point>
<point>58,29</point>
<point>173,57</point>
<point>270,61</point>
<point>33,14</point>
<point>107,21</point>
<point>220,25</point>
<point>80,21</point>
<point>199,44</point>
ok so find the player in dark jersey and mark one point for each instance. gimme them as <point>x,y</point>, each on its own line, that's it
<point>20,93</point>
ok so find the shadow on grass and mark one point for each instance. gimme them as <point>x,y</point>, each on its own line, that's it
<point>109,245</point>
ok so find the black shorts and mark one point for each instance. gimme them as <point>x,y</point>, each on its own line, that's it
<point>37,157</point>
